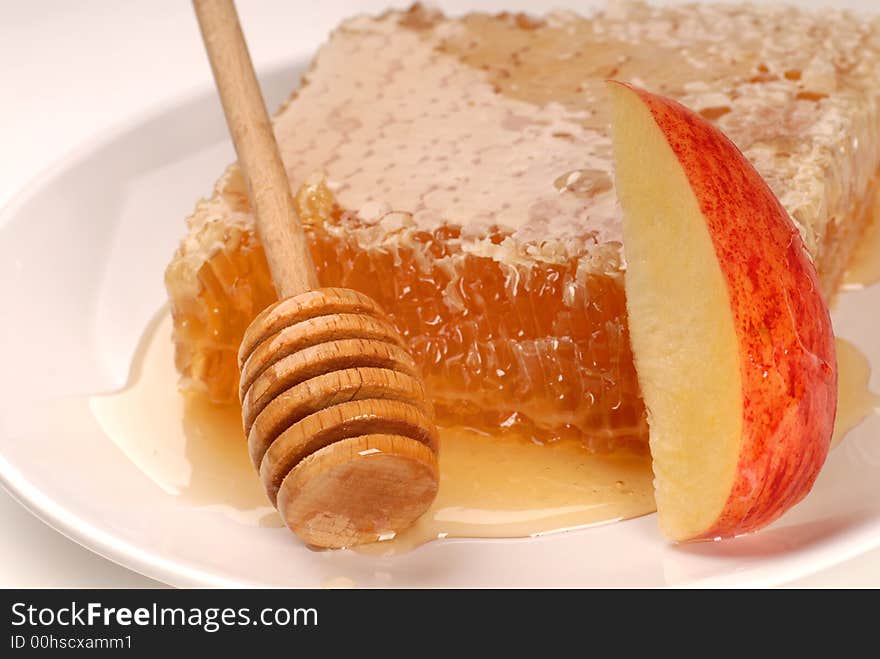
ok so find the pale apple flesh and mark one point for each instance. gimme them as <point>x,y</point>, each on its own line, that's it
<point>732,340</point>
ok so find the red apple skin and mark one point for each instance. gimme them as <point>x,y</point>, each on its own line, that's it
<point>786,343</point>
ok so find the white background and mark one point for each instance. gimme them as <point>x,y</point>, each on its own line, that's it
<point>71,69</point>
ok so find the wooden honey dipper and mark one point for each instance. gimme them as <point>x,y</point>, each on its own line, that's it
<point>335,412</point>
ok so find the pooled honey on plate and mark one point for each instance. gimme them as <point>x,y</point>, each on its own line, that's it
<point>184,444</point>
<point>854,400</point>
<point>490,487</point>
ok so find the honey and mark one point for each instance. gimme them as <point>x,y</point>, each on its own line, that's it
<point>460,175</point>
<point>494,487</point>
<point>854,400</point>
<point>196,450</point>
<point>490,486</point>
<point>190,448</point>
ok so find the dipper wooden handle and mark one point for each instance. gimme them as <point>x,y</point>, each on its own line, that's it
<point>335,411</point>
<point>281,233</point>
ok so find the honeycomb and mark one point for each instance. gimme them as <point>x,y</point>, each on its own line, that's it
<point>459,171</point>
<point>504,357</point>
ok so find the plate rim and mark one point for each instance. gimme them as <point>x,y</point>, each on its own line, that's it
<point>23,491</point>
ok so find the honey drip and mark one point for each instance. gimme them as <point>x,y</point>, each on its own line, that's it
<point>187,446</point>
<point>855,401</point>
<point>490,487</point>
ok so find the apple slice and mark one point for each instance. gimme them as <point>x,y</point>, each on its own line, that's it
<point>732,340</point>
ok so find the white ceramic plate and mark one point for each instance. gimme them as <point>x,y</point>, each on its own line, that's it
<point>82,254</point>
